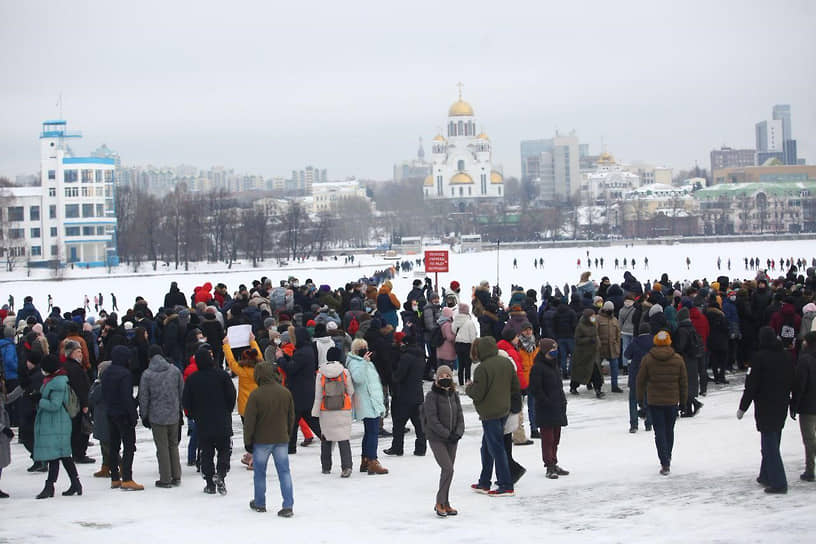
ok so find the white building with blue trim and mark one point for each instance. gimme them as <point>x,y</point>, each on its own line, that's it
<point>71,217</point>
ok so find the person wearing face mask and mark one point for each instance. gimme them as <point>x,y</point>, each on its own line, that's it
<point>547,388</point>
<point>444,425</point>
<point>585,363</point>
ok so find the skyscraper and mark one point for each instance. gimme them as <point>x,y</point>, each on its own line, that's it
<point>781,112</point>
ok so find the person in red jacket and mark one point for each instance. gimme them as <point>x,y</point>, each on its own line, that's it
<point>203,294</point>
<point>700,324</point>
<point>192,432</point>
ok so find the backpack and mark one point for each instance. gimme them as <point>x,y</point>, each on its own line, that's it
<point>334,394</point>
<point>353,326</point>
<point>787,334</point>
<point>437,338</point>
<point>72,406</point>
<point>695,347</point>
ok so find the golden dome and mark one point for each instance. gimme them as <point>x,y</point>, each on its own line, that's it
<point>460,108</point>
<point>439,138</point>
<point>461,179</point>
<point>496,177</point>
<point>483,136</point>
<point>428,181</point>
<point>606,158</point>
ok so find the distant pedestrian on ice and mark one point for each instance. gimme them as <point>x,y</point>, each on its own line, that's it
<point>114,307</point>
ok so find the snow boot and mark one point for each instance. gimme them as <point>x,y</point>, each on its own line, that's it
<point>219,484</point>
<point>47,492</point>
<point>103,472</point>
<point>551,474</point>
<point>130,485</point>
<point>209,488</point>
<point>560,471</point>
<point>364,464</point>
<point>374,467</point>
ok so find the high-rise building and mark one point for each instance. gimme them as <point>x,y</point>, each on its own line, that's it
<point>782,112</point>
<point>566,166</point>
<point>70,217</point>
<point>413,169</point>
<point>769,136</point>
<point>553,165</point>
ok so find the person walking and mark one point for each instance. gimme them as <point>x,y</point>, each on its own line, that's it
<point>444,425</point>
<point>209,398</point>
<point>662,380</point>
<point>117,392</point>
<point>52,428</point>
<point>160,391</point>
<point>768,386</point>
<point>804,401</point>
<point>368,403</point>
<point>547,389</point>
<point>268,419</point>
<point>494,382</point>
<point>332,405</point>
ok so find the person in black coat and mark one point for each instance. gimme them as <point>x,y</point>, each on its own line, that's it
<point>117,391</point>
<point>769,385</point>
<point>378,336</point>
<point>214,333</point>
<point>687,342</point>
<point>547,388</point>
<point>804,401</point>
<point>718,336</point>
<point>209,398</point>
<point>174,297</point>
<point>300,371</point>
<point>173,334</point>
<point>408,397</point>
<point>31,379</point>
<point>565,321</point>
<point>78,380</point>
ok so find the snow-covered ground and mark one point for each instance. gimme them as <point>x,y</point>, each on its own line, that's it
<point>614,493</point>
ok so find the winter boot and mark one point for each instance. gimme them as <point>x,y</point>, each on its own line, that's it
<point>47,492</point>
<point>209,487</point>
<point>103,472</point>
<point>75,489</point>
<point>220,485</point>
<point>364,464</point>
<point>551,474</point>
<point>256,508</point>
<point>374,467</point>
<point>285,513</point>
<point>346,473</point>
<point>560,471</point>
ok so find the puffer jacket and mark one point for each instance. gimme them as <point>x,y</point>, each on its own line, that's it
<point>662,377</point>
<point>160,391</point>
<point>300,370</point>
<point>464,328</point>
<point>368,401</point>
<point>52,427</point>
<point>547,389</point>
<point>442,414</point>
<point>335,425</point>
<point>609,334</point>
<point>494,381</point>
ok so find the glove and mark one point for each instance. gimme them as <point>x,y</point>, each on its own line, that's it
<point>453,438</point>
<point>248,448</point>
<point>9,433</point>
<point>35,397</point>
<point>740,413</point>
<point>146,422</point>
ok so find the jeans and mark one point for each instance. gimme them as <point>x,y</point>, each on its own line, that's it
<point>445,455</point>
<point>614,365</point>
<point>772,470</point>
<point>260,458</point>
<point>400,415</point>
<point>633,410</point>
<point>626,339</point>
<point>192,443</point>
<point>493,453</point>
<point>124,434</point>
<point>326,447</point>
<point>807,425</point>
<point>663,418</point>
<point>566,346</point>
<point>371,430</point>
<point>531,413</point>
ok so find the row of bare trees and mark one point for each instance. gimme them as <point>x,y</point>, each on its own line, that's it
<point>184,227</point>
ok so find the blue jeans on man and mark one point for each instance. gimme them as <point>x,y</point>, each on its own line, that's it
<point>772,471</point>
<point>626,339</point>
<point>260,457</point>
<point>566,347</point>
<point>614,369</point>
<point>663,419</point>
<point>493,452</point>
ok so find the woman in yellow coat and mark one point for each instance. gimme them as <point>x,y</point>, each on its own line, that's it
<point>245,370</point>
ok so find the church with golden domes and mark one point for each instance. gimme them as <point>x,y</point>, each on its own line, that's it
<point>462,162</point>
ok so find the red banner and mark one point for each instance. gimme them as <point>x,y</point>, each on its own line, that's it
<point>436,261</point>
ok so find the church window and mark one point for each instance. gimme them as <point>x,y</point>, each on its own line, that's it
<point>460,165</point>
<point>469,191</point>
<point>452,191</point>
<point>461,128</point>
<point>499,191</point>
<point>460,191</point>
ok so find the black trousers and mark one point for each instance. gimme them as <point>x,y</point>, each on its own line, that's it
<point>400,414</point>
<point>124,434</point>
<point>70,468</point>
<point>463,354</point>
<point>515,468</point>
<point>313,422</point>
<point>79,441</point>
<point>209,446</point>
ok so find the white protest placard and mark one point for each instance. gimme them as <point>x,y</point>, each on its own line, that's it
<point>238,335</point>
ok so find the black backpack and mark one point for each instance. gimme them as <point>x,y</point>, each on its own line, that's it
<point>437,338</point>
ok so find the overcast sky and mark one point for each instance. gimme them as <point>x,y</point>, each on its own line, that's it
<point>267,87</point>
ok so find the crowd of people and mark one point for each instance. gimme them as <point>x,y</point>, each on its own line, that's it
<point>314,358</point>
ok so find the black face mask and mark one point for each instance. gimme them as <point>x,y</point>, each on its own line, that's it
<point>445,382</point>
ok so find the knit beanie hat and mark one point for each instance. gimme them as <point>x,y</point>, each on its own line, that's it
<point>656,309</point>
<point>508,333</point>
<point>154,350</point>
<point>546,344</point>
<point>334,354</point>
<point>662,338</point>
<point>608,306</point>
<point>69,347</point>
<point>442,370</point>
<point>50,364</point>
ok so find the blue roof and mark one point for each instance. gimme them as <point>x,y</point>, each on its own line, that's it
<point>88,160</point>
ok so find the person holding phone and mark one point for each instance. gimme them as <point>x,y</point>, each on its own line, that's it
<point>368,403</point>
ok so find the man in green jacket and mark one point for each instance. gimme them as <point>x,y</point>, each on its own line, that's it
<point>268,418</point>
<point>494,382</point>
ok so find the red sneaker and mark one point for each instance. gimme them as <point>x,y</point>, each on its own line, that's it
<point>479,489</point>
<point>501,493</point>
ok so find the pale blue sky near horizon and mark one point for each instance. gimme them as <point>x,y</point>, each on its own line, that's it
<point>268,87</point>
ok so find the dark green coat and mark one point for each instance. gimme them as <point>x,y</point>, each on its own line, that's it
<point>586,355</point>
<point>494,381</point>
<point>52,428</point>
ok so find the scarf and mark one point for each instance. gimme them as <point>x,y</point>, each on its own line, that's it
<point>528,343</point>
